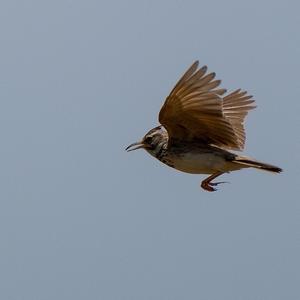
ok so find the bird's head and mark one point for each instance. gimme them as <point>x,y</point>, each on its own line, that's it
<point>152,141</point>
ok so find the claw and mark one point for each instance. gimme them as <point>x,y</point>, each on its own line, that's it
<point>208,186</point>
<point>217,183</point>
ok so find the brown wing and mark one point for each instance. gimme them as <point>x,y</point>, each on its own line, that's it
<point>235,108</point>
<point>194,110</point>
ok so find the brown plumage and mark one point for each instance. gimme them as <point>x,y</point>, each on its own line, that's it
<point>195,109</point>
<point>200,125</point>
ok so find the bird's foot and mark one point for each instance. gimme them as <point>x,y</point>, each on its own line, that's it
<point>209,186</point>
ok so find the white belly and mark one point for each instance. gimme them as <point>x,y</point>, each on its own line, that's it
<point>206,163</point>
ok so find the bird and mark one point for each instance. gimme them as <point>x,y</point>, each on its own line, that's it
<point>201,128</point>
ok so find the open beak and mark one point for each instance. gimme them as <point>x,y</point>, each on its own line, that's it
<point>135,146</point>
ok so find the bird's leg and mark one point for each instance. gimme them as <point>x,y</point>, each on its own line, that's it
<point>207,185</point>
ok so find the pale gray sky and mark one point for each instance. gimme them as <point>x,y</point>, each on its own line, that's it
<point>82,219</point>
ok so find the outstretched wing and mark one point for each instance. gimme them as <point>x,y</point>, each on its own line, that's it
<point>235,108</point>
<point>194,110</point>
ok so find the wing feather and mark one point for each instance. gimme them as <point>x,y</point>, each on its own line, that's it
<point>236,106</point>
<point>195,110</point>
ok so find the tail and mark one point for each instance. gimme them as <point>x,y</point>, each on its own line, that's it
<point>256,164</point>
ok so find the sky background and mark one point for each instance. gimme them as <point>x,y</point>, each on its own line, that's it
<point>80,218</point>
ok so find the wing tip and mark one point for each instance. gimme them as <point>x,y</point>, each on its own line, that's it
<point>196,63</point>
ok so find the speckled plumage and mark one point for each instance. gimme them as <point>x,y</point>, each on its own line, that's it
<point>200,127</point>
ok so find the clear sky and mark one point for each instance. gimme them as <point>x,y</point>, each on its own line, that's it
<point>80,218</point>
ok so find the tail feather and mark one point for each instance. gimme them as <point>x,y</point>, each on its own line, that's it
<point>257,164</point>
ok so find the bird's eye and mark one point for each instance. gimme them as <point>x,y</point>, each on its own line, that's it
<point>148,139</point>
